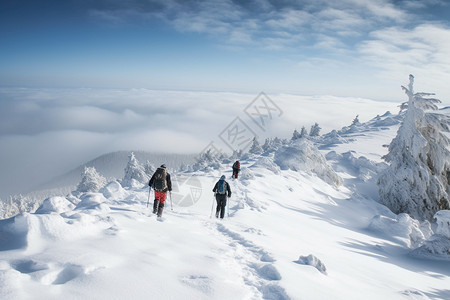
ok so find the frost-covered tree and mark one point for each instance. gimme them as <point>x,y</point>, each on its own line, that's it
<point>17,204</point>
<point>134,173</point>
<point>91,181</point>
<point>417,179</point>
<point>236,155</point>
<point>277,142</point>
<point>303,132</point>
<point>206,160</point>
<point>355,121</point>
<point>183,168</point>
<point>296,135</point>
<point>268,143</point>
<point>315,130</point>
<point>149,169</point>
<point>255,148</point>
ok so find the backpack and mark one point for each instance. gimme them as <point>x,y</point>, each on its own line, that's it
<point>236,165</point>
<point>160,183</point>
<point>222,187</point>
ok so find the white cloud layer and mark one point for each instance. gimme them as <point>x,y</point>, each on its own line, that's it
<point>51,131</point>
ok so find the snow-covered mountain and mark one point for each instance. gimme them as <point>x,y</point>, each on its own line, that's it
<point>302,223</point>
<point>110,165</point>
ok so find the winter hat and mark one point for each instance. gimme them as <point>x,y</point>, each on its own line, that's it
<point>163,166</point>
<point>222,177</point>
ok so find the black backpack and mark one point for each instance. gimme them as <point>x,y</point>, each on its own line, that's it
<point>160,183</point>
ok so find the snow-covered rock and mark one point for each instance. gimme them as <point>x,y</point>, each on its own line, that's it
<point>311,260</point>
<point>408,230</point>
<point>92,201</point>
<point>360,167</point>
<point>303,155</point>
<point>56,205</point>
<point>114,191</point>
<point>438,245</point>
<point>267,163</point>
<point>246,174</point>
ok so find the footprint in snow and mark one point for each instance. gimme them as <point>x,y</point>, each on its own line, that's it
<point>268,272</point>
<point>68,273</point>
<point>199,282</point>
<point>28,266</point>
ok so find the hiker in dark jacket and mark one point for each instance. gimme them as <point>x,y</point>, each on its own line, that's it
<point>221,190</point>
<point>161,183</point>
<point>236,169</point>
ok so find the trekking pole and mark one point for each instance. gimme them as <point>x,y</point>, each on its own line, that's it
<point>171,204</point>
<point>148,200</point>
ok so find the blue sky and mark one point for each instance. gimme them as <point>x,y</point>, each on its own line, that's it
<point>364,48</point>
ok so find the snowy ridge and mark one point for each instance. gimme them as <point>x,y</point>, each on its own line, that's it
<point>289,233</point>
<point>111,165</point>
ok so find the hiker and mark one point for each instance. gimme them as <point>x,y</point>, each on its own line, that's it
<point>161,183</point>
<point>221,189</point>
<point>236,169</point>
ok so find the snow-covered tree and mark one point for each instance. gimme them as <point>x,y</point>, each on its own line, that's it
<point>417,179</point>
<point>277,142</point>
<point>17,204</point>
<point>355,121</point>
<point>296,135</point>
<point>134,173</point>
<point>208,159</point>
<point>268,143</point>
<point>303,132</point>
<point>149,169</point>
<point>183,168</point>
<point>255,148</point>
<point>236,155</point>
<point>3,209</point>
<point>315,130</point>
<point>91,181</point>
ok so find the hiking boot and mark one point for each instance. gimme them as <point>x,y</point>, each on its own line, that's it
<point>155,206</point>
<point>160,209</point>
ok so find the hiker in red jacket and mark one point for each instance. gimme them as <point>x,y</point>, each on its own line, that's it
<point>236,169</point>
<point>161,183</point>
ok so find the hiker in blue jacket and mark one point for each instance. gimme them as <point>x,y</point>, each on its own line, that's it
<point>221,191</point>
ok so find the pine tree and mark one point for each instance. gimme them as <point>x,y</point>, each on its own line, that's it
<point>236,155</point>
<point>267,144</point>
<point>149,169</point>
<point>255,148</point>
<point>2,209</point>
<point>134,173</point>
<point>356,121</point>
<point>303,132</point>
<point>91,181</point>
<point>417,179</point>
<point>315,130</point>
<point>208,159</point>
<point>296,135</point>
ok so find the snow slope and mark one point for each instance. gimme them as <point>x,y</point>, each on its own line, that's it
<point>288,234</point>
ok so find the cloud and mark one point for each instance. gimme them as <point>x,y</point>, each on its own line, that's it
<point>422,50</point>
<point>72,126</point>
<point>235,23</point>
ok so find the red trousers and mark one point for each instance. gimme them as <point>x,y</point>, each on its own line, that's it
<point>161,196</point>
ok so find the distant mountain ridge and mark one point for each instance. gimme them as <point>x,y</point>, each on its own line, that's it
<point>112,165</point>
